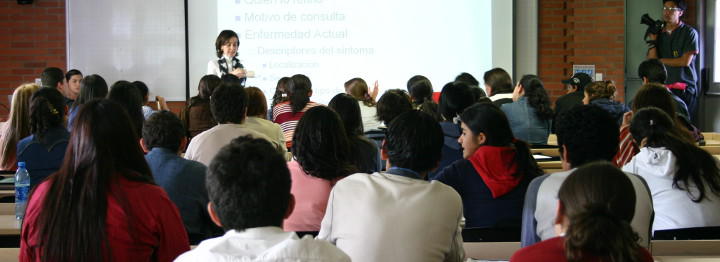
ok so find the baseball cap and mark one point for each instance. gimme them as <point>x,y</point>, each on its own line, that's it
<point>578,80</point>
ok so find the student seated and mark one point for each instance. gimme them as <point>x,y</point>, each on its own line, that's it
<point>197,116</point>
<point>454,98</point>
<point>102,204</point>
<point>390,105</point>
<point>128,95</point>
<point>322,156</point>
<point>593,220</point>
<point>584,134</point>
<point>421,91</point>
<point>228,105</point>
<point>530,114</point>
<point>288,113</point>
<point>91,87</point>
<point>17,126</point>
<point>163,138</point>
<point>144,93</point>
<point>396,215</point>
<point>601,94</point>
<point>43,151</point>
<point>249,187</point>
<point>684,179</point>
<point>358,88</point>
<point>256,112</point>
<point>499,86</point>
<point>497,168</point>
<point>366,154</point>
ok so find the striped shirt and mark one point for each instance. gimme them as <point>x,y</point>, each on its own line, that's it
<point>284,116</point>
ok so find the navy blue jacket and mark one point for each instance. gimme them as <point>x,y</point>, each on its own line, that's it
<point>451,150</point>
<point>44,156</point>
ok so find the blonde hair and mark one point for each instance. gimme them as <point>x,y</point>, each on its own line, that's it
<point>17,126</point>
<point>601,89</point>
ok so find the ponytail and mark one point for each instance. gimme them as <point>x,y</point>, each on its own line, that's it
<point>597,232</point>
<point>47,110</point>
<point>299,92</point>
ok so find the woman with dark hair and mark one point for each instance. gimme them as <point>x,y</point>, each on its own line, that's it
<point>496,171</point>
<point>226,50</point>
<point>367,154</point>
<point>684,179</point>
<point>91,87</point>
<point>256,111</point>
<point>391,104</point>
<point>597,203</point>
<point>17,126</point>
<point>498,86</point>
<point>128,96</point>
<point>197,116</point>
<point>102,203</point>
<point>530,114</point>
<point>421,92</point>
<point>454,98</point>
<point>287,114</point>
<point>279,96</point>
<point>358,88</point>
<point>73,77</point>
<point>321,157</point>
<point>601,93</point>
<point>44,150</point>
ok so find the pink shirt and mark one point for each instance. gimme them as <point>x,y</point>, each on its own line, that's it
<point>311,197</point>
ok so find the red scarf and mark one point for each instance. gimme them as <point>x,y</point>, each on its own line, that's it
<point>496,166</point>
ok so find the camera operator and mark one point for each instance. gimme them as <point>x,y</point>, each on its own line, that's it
<point>676,47</point>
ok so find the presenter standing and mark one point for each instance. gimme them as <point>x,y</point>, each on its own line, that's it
<point>226,47</point>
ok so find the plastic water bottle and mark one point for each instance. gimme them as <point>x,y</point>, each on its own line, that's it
<point>22,189</point>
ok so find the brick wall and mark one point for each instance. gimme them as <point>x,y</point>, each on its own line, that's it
<point>581,32</point>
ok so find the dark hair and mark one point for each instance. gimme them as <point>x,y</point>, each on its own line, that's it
<point>223,38</point>
<point>51,76</point>
<point>248,184</point>
<point>229,78</point>
<point>499,80</point>
<point>281,91</point>
<point>207,84</point>
<point>391,104</point>
<point>653,70</point>
<point>348,109</point>
<point>91,87</point>
<point>695,166</point>
<point>128,96</point>
<point>599,201</point>
<point>299,92</point>
<point>420,89</point>
<point>228,103</point>
<point>103,146</point>
<point>321,146</point>
<point>478,93</point>
<point>414,140</point>
<point>679,3</point>
<point>657,95</point>
<point>490,120</point>
<point>358,88</point>
<point>163,129</point>
<point>256,102</point>
<point>71,73</point>
<point>143,89</point>
<point>537,96</point>
<point>600,89</point>
<point>468,79</point>
<point>47,110</point>
<point>589,134</point>
<point>454,98</point>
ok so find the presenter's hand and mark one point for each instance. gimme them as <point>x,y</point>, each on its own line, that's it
<point>240,73</point>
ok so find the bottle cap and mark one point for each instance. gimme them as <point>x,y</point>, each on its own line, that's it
<point>21,164</point>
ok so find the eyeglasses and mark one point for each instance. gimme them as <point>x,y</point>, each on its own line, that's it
<point>671,9</point>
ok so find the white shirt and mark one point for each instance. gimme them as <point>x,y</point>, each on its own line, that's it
<point>498,96</point>
<point>213,68</point>
<point>263,244</point>
<point>369,117</point>
<point>673,207</point>
<point>205,146</point>
<point>547,206</point>
<point>385,217</point>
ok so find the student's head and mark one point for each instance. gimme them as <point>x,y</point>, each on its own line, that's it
<point>467,78</point>
<point>454,98</point>
<point>256,102</point>
<point>248,184</point>
<point>18,125</point>
<point>599,89</point>
<point>652,71</point>
<point>533,89</point>
<point>207,85</point>
<point>103,147</point>
<point>358,88</point>
<point>228,103</point>
<point>420,89</point>
<point>597,203</point>
<point>654,94</point>
<point>91,87</point>
<point>164,130</point>
<point>391,104</point>
<point>47,110</point>
<point>53,77</point>
<point>299,90</point>
<point>227,44</point>
<point>585,134</point>
<point>414,141</point>
<point>577,82</point>
<point>484,124</point>
<point>128,96</point>
<point>143,89</point>
<point>281,91</point>
<point>73,78</point>
<point>320,144</point>
<point>673,10</point>
<point>349,111</point>
<point>497,81</point>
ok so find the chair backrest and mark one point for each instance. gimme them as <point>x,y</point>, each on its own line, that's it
<point>495,234</point>
<point>692,233</point>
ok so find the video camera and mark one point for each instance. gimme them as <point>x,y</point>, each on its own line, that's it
<point>654,27</point>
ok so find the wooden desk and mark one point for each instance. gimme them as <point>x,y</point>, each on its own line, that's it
<point>550,166</point>
<point>686,258</point>
<point>5,193</point>
<point>713,150</point>
<point>554,152</point>
<point>9,225</point>
<point>685,247</point>
<point>7,208</point>
<point>552,140</point>
<point>490,250</point>
<point>9,254</point>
